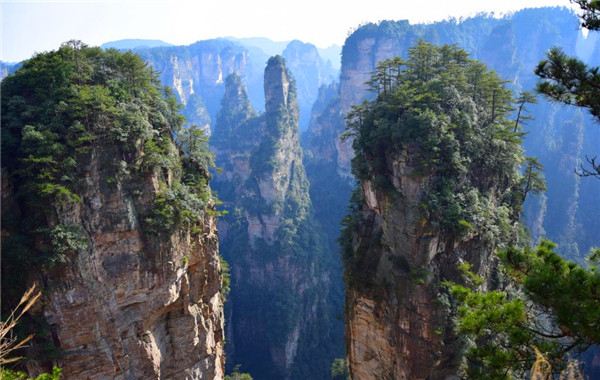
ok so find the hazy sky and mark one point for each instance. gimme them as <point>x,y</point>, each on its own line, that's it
<point>33,26</point>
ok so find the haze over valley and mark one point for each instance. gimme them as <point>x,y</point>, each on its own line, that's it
<point>402,199</point>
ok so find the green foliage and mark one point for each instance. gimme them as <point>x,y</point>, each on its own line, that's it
<point>449,115</point>
<point>184,202</point>
<point>521,102</point>
<point>339,370</point>
<point>533,178</point>
<point>495,326</point>
<point>225,278</point>
<point>569,80</point>
<point>174,207</point>
<point>591,13</point>
<point>7,374</point>
<point>565,288</point>
<point>558,311</point>
<point>493,311</point>
<point>594,257</point>
<point>59,104</point>
<point>237,375</point>
<point>197,158</point>
<point>65,240</point>
<point>159,153</point>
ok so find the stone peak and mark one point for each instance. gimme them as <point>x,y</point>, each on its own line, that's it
<point>235,110</point>
<point>235,91</point>
<point>279,86</point>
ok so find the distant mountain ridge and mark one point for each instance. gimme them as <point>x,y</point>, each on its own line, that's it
<point>7,68</point>
<point>134,44</point>
<point>196,72</point>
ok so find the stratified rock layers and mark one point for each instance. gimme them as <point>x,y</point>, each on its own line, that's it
<point>97,212</point>
<point>128,308</point>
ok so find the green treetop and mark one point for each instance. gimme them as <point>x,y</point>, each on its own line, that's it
<point>451,115</point>
<point>571,81</point>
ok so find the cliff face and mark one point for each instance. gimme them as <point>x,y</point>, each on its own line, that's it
<point>125,252</point>
<point>197,72</point>
<point>558,136</point>
<point>400,325</point>
<point>280,320</point>
<point>310,72</point>
<point>438,187</point>
<point>127,307</point>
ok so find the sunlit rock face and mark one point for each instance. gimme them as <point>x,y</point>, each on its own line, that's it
<point>129,307</point>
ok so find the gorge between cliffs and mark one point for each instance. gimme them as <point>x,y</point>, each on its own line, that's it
<point>240,208</point>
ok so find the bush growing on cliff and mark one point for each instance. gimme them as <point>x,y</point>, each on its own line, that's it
<point>187,199</point>
<point>555,311</point>
<point>237,375</point>
<point>7,374</point>
<point>66,239</point>
<point>339,369</point>
<point>225,278</point>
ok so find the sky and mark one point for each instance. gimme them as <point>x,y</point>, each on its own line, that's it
<point>40,25</point>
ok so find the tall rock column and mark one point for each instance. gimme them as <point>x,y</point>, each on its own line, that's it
<point>437,163</point>
<point>110,219</point>
<point>279,320</point>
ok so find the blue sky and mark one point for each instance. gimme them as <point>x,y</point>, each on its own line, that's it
<point>34,26</point>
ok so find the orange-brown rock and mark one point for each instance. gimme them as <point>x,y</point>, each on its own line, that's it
<point>134,307</point>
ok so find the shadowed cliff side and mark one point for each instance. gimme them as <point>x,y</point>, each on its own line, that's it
<point>281,319</point>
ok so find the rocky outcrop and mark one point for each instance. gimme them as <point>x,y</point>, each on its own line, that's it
<point>129,307</point>
<point>398,320</point>
<point>280,321</point>
<point>558,136</point>
<point>97,213</point>
<point>427,202</point>
<point>310,72</point>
